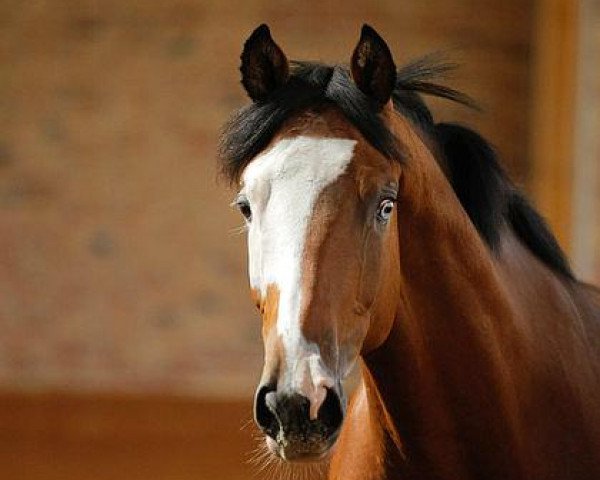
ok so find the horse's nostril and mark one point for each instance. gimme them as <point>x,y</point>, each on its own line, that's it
<point>331,413</point>
<point>287,415</point>
<point>263,415</point>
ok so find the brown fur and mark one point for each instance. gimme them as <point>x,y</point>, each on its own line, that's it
<point>490,369</point>
<point>474,366</point>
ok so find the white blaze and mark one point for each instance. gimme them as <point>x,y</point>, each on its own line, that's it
<point>282,186</point>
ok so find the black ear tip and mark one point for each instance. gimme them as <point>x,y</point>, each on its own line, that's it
<point>263,29</point>
<point>259,36</point>
<point>367,32</point>
<point>260,33</point>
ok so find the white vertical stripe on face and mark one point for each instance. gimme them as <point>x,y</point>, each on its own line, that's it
<point>282,186</point>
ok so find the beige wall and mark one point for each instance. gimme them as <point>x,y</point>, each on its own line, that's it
<point>119,268</point>
<point>586,166</point>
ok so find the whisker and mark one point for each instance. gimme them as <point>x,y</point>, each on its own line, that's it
<point>246,424</point>
<point>267,466</point>
<point>238,230</point>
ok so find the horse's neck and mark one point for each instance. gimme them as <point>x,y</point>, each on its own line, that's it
<point>457,374</point>
<point>459,389</point>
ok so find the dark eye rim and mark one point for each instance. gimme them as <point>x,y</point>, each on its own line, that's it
<point>243,205</point>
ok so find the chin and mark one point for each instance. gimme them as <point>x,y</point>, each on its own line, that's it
<point>300,452</point>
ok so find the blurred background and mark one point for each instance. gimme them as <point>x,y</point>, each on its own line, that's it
<point>129,348</point>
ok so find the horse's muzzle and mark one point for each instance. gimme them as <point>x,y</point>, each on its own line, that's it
<point>291,433</point>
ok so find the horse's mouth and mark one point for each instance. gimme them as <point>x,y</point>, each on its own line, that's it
<point>301,450</point>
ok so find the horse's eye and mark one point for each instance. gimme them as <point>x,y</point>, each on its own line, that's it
<point>244,207</point>
<point>385,209</point>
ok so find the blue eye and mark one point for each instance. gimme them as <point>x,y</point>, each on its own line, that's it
<point>384,210</point>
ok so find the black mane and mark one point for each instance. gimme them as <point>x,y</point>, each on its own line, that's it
<point>310,85</point>
<point>486,193</point>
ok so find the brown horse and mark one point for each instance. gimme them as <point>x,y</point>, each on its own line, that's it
<point>379,237</point>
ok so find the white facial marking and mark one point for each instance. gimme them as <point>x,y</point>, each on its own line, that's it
<point>282,186</point>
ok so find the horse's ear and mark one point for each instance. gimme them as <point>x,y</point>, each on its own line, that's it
<point>264,65</point>
<point>372,66</point>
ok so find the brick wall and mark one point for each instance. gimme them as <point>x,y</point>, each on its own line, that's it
<point>595,105</point>
<point>119,266</point>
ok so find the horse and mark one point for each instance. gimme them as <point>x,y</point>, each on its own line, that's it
<point>383,240</point>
